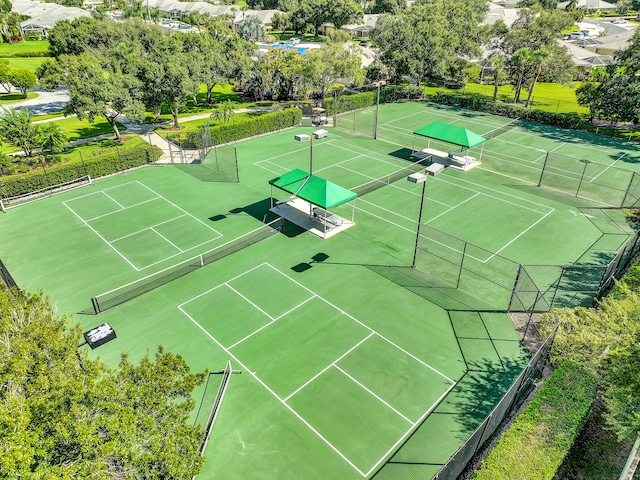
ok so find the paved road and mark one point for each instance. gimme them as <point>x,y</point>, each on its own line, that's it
<point>47,102</point>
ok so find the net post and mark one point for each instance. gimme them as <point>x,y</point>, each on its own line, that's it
<point>544,165</point>
<point>464,251</point>
<point>90,179</point>
<point>96,305</point>
<point>235,157</point>
<point>584,170</point>
<point>2,207</point>
<point>201,260</point>
<point>624,199</point>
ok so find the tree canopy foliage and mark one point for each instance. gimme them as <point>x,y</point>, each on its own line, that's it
<point>66,415</point>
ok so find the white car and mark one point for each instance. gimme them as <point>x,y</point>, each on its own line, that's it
<point>294,41</point>
<point>618,20</point>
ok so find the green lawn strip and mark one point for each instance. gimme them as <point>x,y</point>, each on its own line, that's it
<point>39,118</point>
<point>539,439</point>
<point>550,97</point>
<point>193,125</point>
<point>8,98</point>
<point>77,129</point>
<point>30,63</point>
<point>20,48</point>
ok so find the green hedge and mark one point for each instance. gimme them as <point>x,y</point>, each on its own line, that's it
<point>23,54</point>
<point>230,132</point>
<point>485,104</point>
<point>538,440</point>
<point>362,100</point>
<point>98,166</point>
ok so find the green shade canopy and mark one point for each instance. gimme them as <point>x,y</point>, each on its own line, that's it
<point>451,134</point>
<point>315,190</point>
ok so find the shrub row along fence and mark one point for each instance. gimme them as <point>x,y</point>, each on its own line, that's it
<point>97,166</point>
<point>560,410</point>
<point>209,135</point>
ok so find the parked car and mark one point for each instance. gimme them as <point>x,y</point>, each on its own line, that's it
<point>294,41</point>
<point>618,20</point>
<point>363,43</point>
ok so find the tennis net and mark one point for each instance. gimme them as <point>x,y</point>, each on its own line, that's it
<point>503,129</point>
<point>127,292</point>
<point>217,401</point>
<point>380,182</point>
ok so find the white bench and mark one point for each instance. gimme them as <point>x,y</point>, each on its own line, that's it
<point>328,217</point>
<point>320,133</point>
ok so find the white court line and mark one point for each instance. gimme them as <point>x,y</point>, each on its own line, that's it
<point>274,394</point>
<point>249,301</point>
<point>122,209</point>
<point>522,233</point>
<point>257,164</point>
<point>145,229</point>
<point>453,208</point>
<point>607,167</point>
<point>297,390</point>
<point>113,199</point>
<point>385,219</point>
<point>166,239</point>
<point>284,401</point>
<point>101,237</point>
<point>413,220</point>
<point>373,394</point>
<point>269,323</point>
<point>410,430</point>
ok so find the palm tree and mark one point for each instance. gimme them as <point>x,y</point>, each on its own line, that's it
<point>521,60</point>
<point>52,137</point>
<point>498,62</point>
<point>539,60</point>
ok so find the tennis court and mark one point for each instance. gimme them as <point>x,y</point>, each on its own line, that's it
<point>350,359</point>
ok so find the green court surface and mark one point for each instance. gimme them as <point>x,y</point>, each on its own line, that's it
<point>353,364</point>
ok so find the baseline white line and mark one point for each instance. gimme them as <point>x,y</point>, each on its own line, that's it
<point>287,406</point>
<point>267,324</point>
<point>329,366</point>
<point>410,430</point>
<point>257,307</point>
<point>101,237</point>
<point>358,321</point>
<point>166,239</point>
<point>373,394</point>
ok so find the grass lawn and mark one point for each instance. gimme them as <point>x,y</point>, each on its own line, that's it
<point>194,124</point>
<point>87,150</point>
<point>7,98</point>
<point>77,128</point>
<point>39,118</point>
<point>550,97</point>
<point>10,49</point>
<point>30,63</point>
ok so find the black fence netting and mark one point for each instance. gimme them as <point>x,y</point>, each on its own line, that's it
<point>6,277</point>
<point>417,456</point>
<point>122,294</point>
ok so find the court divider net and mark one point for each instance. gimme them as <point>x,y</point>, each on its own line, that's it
<point>127,292</point>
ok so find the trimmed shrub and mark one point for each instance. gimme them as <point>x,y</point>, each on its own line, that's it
<point>347,103</point>
<point>231,132</point>
<point>538,440</point>
<point>97,166</point>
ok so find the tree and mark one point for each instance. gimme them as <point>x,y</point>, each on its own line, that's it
<point>521,60</point>
<point>52,138</point>
<point>23,79</point>
<point>251,29</point>
<point>498,62</point>
<point>280,21</point>
<point>342,12</point>
<point>388,6</point>
<point>93,90</point>
<point>66,415</point>
<point>414,43</point>
<point>538,61</point>
<point>17,129</point>
<point>5,76</point>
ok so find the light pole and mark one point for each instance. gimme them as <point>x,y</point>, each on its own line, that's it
<point>375,120</point>
<point>418,178</point>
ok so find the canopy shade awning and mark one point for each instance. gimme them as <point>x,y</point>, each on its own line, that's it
<point>313,189</point>
<point>451,134</point>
